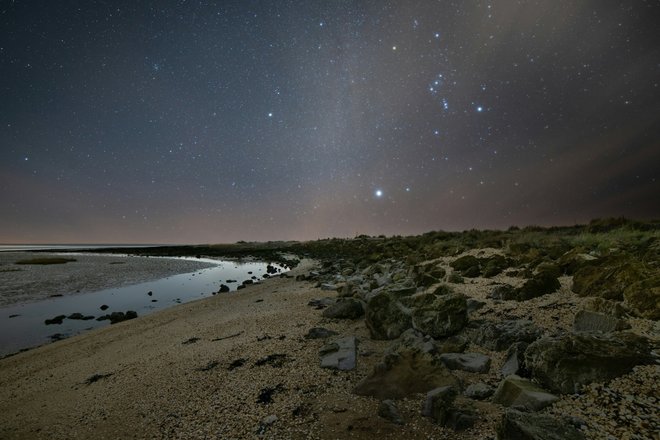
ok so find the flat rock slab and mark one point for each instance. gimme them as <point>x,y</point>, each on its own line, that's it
<point>517,392</point>
<point>472,362</point>
<point>340,354</point>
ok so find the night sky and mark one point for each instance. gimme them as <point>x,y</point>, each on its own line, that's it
<point>201,122</point>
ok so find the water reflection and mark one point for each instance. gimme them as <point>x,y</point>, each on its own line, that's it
<point>22,326</point>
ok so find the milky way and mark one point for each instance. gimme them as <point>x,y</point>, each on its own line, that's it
<point>197,122</point>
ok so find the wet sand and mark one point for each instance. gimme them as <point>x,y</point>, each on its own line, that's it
<point>90,272</point>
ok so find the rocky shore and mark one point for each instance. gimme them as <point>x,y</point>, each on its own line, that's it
<point>532,334</point>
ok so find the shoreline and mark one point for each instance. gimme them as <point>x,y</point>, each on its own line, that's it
<point>22,284</point>
<point>238,365</point>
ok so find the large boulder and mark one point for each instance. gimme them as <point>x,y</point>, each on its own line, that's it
<point>517,392</point>
<point>500,335</point>
<point>643,297</point>
<point>517,425</point>
<point>439,315</point>
<point>345,308</point>
<point>408,367</point>
<point>387,318</point>
<point>608,277</point>
<point>565,363</point>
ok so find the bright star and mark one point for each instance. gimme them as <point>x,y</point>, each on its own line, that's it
<point>480,109</point>
<point>378,193</point>
<point>270,115</point>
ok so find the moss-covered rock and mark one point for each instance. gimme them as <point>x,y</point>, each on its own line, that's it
<point>495,265</point>
<point>643,297</point>
<point>467,265</point>
<point>439,315</point>
<point>565,363</point>
<point>608,277</point>
<point>540,284</point>
<point>386,318</point>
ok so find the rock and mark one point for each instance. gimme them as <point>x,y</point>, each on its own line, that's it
<point>346,290</point>
<point>516,425</point>
<point>388,410</point>
<point>104,307</point>
<point>427,274</point>
<point>540,284</point>
<point>471,272</point>
<point>472,362</point>
<point>572,261</point>
<point>321,303</point>
<point>438,403</point>
<point>467,265</point>
<point>515,360</point>
<point>478,391</point>
<point>77,316</point>
<point>223,288</point>
<point>452,344</point>
<point>116,317</point>
<point>499,336</point>
<point>386,318</point>
<point>328,286</point>
<point>460,419</point>
<point>455,278</point>
<point>643,298</point>
<point>565,363</point>
<point>517,392</point>
<point>473,305</point>
<point>605,306</point>
<point>439,316</point>
<point>408,367</point>
<point>247,282</point>
<point>401,290</point>
<point>345,308</point>
<point>341,354</point>
<point>586,321</point>
<point>319,333</point>
<point>266,423</point>
<point>56,320</point>
<point>503,292</point>
<point>608,277</point>
<point>495,265</point>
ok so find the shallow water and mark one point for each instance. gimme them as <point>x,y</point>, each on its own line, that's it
<point>27,329</point>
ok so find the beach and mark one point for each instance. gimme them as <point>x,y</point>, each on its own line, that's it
<point>241,365</point>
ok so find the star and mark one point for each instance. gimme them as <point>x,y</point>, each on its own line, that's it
<point>378,193</point>
<point>270,115</point>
